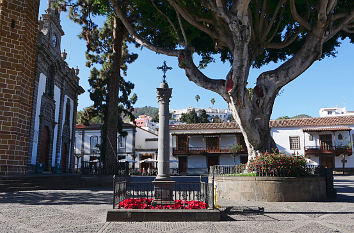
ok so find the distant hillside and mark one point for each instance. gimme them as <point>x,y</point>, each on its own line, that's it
<point>294,117</point>
<point>147,110</point>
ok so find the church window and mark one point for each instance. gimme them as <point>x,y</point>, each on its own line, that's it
<point>67,112</point>
<point>54,40</point>
<point>50,82</point>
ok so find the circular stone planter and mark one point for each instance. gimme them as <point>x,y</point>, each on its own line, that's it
<point>270,189</point>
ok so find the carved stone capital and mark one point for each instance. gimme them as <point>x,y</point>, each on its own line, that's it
<point>164,94</point>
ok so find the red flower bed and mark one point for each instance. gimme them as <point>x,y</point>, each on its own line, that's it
<point>144,203</point>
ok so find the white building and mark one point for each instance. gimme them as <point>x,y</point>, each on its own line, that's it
<point>223,114</point>
<point>199,146</point>
<point>322,140</point>
<point>138,144</point>
<point>335,112</point>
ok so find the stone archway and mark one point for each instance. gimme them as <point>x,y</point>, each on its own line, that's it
<point>64,157</point>
<point>44,148</point>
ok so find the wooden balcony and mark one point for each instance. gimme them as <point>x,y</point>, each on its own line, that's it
<point>201,150</point>
<point>334,150</point>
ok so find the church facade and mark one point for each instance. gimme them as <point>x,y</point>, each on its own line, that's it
<point>56,89</point>
<point>38,91</point>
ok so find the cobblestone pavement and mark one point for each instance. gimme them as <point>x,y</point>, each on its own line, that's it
<point>85,211</point>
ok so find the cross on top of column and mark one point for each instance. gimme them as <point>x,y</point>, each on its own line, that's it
<point>164,69</point>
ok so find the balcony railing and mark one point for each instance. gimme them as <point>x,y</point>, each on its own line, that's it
<point>336,150</point>
<point>203,150</point>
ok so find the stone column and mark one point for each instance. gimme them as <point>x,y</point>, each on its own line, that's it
<point>163,156</point>
<point>163,184</point>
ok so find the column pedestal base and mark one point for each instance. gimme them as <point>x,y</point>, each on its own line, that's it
<point>163,192</point>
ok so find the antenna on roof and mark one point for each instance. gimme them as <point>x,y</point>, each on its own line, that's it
<point>344,101</point>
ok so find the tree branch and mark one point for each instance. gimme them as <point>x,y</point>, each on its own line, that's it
<point>341,26</point>
<point>182,29</point>
<point>168,19</point>
<point>220,7</point>
<point>348,30</point>
<point>261,21</point>
<point>278,25</point>
<point>185,60</point>
<point>193,20</point>
<point>297,17</point>
<point>273,19</point>
<point>330,6</point>
<point>284,43</point>
<point>136,37</point>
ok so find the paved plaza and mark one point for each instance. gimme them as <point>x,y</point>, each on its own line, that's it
<point>85,210</point>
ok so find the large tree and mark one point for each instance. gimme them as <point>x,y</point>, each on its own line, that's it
<point>106,46</point>
<point>248,33</point>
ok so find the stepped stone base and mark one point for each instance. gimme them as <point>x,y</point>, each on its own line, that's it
<point>162,215</point>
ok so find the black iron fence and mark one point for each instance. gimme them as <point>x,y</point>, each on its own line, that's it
<point>90,168</point>
<point>194,191</point>
<point>243,170</point>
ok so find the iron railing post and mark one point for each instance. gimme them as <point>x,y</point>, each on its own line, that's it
<point>114,191</point>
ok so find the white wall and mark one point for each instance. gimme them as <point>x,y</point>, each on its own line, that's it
<point>97,133</point>
<point>141,143</point>
<point>78,142</point>
<point>196,161</point>
<point>56,119</point>
<point>281,138</point>
<point>128,140</point>
<point>41,90</point>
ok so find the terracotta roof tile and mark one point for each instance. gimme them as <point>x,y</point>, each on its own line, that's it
<point>317,129</point>
<point>299,122</point>
<point>315,121</point>
<point>224,125</point>
<point>98,126</point>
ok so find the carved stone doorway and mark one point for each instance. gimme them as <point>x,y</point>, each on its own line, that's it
<point>64,158</point>
<point>44,148</point>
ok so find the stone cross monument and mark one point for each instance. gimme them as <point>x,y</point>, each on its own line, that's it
<point>163,185</point>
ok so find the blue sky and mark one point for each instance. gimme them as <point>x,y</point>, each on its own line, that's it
<point>327,83</point>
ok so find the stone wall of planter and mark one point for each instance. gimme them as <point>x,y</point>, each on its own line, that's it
<point>230,189</point>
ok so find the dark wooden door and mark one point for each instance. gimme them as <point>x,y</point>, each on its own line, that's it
<point>243,159</point>
<point>182,164</point>
<point>145,166</point>
<point>327,161</point>
<point>64,158</point>
<point>213,160</point>
<point>182,142</point>
<point>326,142</point>
<point>44,148</point>
<point>212,144</point>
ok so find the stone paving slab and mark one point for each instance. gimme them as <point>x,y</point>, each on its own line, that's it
<point>84,210</point>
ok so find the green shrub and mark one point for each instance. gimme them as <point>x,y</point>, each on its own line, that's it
<point>278,164</point>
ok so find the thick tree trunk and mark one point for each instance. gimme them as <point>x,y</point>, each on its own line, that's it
<point>255,129</point>
<point>111,120</point>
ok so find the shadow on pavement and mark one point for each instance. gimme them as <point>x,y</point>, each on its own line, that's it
<point>90,197</point>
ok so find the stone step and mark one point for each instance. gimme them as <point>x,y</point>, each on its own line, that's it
<point>9,184</point>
